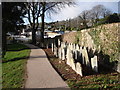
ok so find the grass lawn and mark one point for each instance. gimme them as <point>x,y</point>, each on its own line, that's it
<point>13,66</point>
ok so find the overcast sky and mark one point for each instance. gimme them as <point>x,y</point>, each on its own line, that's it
<point>74,11</point>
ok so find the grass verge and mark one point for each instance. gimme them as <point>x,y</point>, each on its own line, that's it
<point>13,66</point>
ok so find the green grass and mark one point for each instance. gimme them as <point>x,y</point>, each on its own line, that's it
<point>13,67</point>
<point>99,81</point>
<point>16,47</point>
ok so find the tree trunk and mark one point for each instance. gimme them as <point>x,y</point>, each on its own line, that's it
<point>33,27</point>
<point>33,36</point>
<point>3,43</point>
<point>42,30</point>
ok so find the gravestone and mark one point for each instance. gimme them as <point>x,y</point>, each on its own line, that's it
<point>77,47</point>
<point>68,55</point>
<point>71,46</point>
<point>87,62</point>
<point>56,52</point>
<point>83,57</point>
<point>47,45</point>
<point>52,46</point>
<point>75,52</point>
<point>59,52</point>
<point>58,42</point>
<point>63,54</point>
<point>118,67</point>
<point>94,64</point>
<point>80,49</point>
<point>78,68</point>
<point>72,63</point>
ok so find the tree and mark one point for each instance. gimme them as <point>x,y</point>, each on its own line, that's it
<point>84,17</point>
<point>38,9</point>
<point>97,12</point>
<point>33,10</point>
<point>113,18</point>
<point>11,17</point>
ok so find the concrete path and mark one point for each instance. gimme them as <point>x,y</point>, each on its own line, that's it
<point>40,73</point>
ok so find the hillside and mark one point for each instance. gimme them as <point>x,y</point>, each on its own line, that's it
<point>103,37</point>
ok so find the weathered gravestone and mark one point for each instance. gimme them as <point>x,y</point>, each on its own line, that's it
<point>78,68</point>
<point>94,64</point>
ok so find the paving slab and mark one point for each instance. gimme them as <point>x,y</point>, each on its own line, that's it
<point>40,73</point>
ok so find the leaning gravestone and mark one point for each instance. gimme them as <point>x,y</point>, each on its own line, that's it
<point>94,64</point>
<point>78,68</point>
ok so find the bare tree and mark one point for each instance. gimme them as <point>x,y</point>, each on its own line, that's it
<point>38,9</point>
<point>98,11</point>
<point>84,17</point>
<point>105,12</point>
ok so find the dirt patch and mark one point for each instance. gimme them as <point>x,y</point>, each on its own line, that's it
<point>61,67</point>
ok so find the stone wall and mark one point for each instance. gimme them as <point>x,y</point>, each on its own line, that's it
<point>76,55</point>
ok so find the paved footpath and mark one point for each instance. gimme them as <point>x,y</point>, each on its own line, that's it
<point>40,73</point>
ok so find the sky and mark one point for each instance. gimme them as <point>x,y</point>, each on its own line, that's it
<point>81,5</point>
